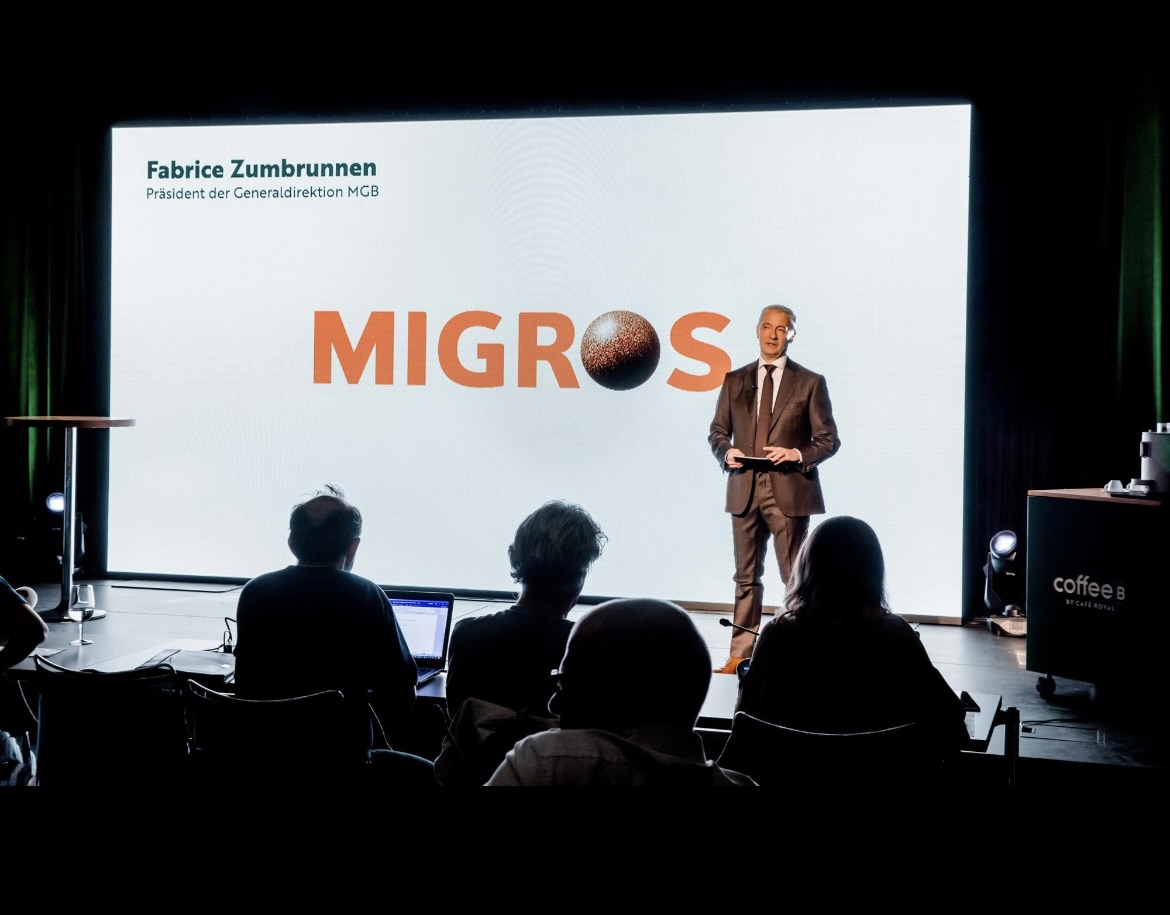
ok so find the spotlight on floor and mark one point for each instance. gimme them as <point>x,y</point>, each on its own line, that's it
<point>1003,590</point>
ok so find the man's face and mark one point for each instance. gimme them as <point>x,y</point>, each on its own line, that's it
<point>772,332</point>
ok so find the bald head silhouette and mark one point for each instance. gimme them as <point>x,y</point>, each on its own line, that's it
<point>325,529</point>
<point>632,662</point>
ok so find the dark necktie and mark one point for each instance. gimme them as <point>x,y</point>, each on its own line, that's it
<point>764,417</point>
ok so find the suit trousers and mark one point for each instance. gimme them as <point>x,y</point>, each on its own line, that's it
<point>750,532</point>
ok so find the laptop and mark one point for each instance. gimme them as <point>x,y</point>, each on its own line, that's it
<point>425,618</point>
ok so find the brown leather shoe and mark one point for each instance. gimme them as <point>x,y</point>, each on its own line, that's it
<point>729,665</point>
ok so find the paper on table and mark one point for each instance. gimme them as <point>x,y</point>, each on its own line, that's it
<point>135,658</point>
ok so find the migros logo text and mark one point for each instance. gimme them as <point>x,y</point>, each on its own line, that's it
<point>619,349</point>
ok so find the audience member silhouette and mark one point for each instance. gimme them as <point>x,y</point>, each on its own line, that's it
<point>838,660</point>
<point>317,626</point>
<point>629,691</point>
<point>21,627</point>
<point>505,657</point>
<point>501,661</point>
<point>21,631</point>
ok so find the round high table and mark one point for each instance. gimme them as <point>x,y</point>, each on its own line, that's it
<point>70,424</point>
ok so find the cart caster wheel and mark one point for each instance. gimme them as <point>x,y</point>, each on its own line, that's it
<point>1046,686</point>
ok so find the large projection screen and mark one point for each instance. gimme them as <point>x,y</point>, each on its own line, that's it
<point>398,308</point>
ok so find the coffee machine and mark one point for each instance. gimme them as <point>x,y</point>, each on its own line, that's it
<point>1154,481</point>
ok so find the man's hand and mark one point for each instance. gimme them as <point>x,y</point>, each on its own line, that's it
<point>731,458</point>
<point>780,455</point>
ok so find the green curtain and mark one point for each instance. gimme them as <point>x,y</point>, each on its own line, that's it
<point>1141,320</point>
<point>45,316</point>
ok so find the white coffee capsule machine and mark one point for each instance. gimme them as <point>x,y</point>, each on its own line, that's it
<point>1155,455</point>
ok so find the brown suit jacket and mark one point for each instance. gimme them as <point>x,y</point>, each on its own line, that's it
<point>802,418</point>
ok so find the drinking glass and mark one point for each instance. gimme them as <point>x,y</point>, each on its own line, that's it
<point>81,609</point>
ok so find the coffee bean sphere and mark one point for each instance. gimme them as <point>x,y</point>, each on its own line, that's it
<point>620,350</point>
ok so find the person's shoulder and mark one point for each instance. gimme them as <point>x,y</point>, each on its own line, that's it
<point>360,587</point>
<point>894,628</point>
<point>16,610</point>
<point>364,582</point>
<point>266,590</point>
<point>268,578</point>
<point>478,622</point>
<point>799,368</point>
<point>888,619</point>
<point>781,622</point>
<point>9,595</point>
<point>531,761</point>
<point>467,627</point>
<point>554,742</point>
<point>535,618</point>
<point>779,634</point>
<point>574,755</point>
<point>515,618</point>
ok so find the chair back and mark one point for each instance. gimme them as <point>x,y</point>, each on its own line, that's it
<point>773,754</point>
<point>298,739</point>
<point>109,728</point>
<point>479,737</point>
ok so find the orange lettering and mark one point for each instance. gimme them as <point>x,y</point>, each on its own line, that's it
<point>416,353</point>
<point>492,354</point>
<point>686,345</point>
<point>530,352</point>
<point>377,340</point>
<point>329,337</point>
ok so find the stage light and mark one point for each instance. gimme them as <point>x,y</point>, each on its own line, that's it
<point>50,533</point>
<point>1004,544</point>
<point>1003,589</point>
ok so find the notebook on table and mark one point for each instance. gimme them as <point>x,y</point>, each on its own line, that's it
<point>425,618</point>
<point>209,666</point>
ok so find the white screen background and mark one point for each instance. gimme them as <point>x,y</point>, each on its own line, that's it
<point>856,218</point>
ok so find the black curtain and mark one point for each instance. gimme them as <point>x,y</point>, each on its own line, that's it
<point>1067,332</point>
<point>55,330</point>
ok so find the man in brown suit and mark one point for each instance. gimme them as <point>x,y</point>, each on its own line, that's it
<point>776,497</point>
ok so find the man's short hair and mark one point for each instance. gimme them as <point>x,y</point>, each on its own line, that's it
<point>634,661</point>
<point>784,308</point>
<point>321,529</point>
<point>555,546</point>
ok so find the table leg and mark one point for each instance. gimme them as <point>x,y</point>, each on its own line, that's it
<point>1011,742</point>
<point>60,613</point>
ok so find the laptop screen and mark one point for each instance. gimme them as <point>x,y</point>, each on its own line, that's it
<point>425,620</point>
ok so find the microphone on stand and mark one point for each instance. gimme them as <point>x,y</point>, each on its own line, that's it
<point>727,622</point>
<point>746,662</point>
